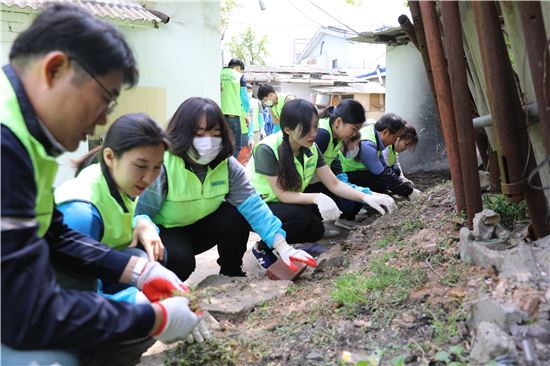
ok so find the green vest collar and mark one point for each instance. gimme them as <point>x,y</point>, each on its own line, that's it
<point>113,190</point>
<point>33,124</point>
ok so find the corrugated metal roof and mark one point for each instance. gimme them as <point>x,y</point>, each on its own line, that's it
<point>127,10</point>
<point>355,88</point>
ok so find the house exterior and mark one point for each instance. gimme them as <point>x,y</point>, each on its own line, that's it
<point>331,49</point>
<point>408,95</point>
<point>176,60</point>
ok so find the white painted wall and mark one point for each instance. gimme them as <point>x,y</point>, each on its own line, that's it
<point>408,95</point>
<point>182,56</point>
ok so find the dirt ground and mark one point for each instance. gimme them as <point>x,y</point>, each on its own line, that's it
<point>403,299</point>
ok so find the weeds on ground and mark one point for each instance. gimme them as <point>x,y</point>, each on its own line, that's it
<point>510,212</point>
<point>384,287</point>
<point>398,236</point>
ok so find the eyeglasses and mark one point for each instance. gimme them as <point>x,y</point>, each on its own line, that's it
<point>111,105</point>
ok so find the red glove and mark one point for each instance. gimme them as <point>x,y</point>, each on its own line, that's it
<point>158,283</point>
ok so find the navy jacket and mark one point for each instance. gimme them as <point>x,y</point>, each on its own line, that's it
<point>36,312</point>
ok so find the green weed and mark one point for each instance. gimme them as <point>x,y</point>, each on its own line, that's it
<point>385,286</point>
<point>510,212</point>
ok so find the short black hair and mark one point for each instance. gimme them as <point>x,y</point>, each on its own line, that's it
<point>264,91</point>
<point>391,122</point>
<point>185,122</point>
<point>236,62</point>
<point>61,27</point>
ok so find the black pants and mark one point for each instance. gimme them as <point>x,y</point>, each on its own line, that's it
<point>302,223</point>
<point>225,227</point>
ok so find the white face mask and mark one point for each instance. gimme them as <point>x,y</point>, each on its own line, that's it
<point>269,103</point>
<point>351,154</point>
<point>207,147</point>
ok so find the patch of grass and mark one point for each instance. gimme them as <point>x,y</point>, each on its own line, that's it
<point>410,226</point>
<point>217,351</point>
<point>453,276</point>
<point>510,212</point>
<point>445,325</point>
<point>385,286</point>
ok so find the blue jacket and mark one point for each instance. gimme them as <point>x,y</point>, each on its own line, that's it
<point>36,312</point>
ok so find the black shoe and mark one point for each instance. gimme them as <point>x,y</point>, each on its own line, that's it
<point>235,272</point>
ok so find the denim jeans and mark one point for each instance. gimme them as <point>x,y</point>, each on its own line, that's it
<point>235,126</point>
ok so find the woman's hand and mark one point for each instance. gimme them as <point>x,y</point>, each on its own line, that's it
<point>145,233</point>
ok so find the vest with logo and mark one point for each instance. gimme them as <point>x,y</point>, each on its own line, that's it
<point>230,80</point>
<point>332,149</point>
<point>350,165</point>
<point>188,200</point>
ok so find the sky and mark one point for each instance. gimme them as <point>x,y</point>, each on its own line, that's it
<point>286,20</point>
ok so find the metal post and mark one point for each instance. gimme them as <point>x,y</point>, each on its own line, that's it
<point>408,28</point>
<point>456,59</point>
<point>444,97</point>
<point>536,44</point>
<point>507,114</point>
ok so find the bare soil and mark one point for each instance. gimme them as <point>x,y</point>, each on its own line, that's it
<point>417,317</point>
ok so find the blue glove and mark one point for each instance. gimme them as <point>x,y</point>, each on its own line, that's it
<point>343,177</point>
<point>261,219</point>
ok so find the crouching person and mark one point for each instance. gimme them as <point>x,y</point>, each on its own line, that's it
<point>64,75</point>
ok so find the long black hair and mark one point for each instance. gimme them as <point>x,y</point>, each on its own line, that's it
<point>126,133</point>
<point>350,110</point>
<point>185,122</point>
<point>296,113</point>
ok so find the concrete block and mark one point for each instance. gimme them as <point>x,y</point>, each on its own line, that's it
<point>491,342</point>
<point>520,262</point>
<point>234,300</point>
<point>482,253</point>
<point>505,315</point>
<point>484,224</point>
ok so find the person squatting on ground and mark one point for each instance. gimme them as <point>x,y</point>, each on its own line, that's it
<point>203,196</point>
<point>364,164</point>
<point>282,166</point>
<point>407,141</point>
<point>64,75</point>
<point>100,201</point>
<point>337,126</point>
<point>234,100</point>
<point>274,102</point>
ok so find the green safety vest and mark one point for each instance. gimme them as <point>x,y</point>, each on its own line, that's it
<point>277,108</point>
<point>392,156</point>
<point>90,186</point>
<point>332,150</point>
<point>351,165</point>
<point>188,200</point>
<point>306,171</point>
<point>230,80</point>
<point>44,165</point>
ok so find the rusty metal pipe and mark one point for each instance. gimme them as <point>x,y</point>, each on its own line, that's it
<point>535,41</point>
<point>452,30</point>
<point>421,41</point>
<point>408,28</point>
<point>444,97</point>
<point>508,116</point>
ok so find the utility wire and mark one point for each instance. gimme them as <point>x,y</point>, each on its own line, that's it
<point>330,15</point>
<point>304,14</point>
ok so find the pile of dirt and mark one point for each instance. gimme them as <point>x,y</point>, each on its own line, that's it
<point>403,299</point>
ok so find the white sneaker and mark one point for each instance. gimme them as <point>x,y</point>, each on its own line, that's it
<point>346,224</point>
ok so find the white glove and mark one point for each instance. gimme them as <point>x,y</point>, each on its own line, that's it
<point>200,333</point>
<point>377,200</point>
<point>327,207</point>
<point>289,254</point>
<point>415,194</point>
<point>158,283</point>
<point>178,322</point>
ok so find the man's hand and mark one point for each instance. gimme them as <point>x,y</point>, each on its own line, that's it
<point>178,321</point>
<point>159,283</point>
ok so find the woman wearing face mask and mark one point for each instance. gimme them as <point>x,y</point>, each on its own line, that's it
<point>369,167</point>
<point>407,141</point>
<point>203,196</point>
<point>100,201</point>
<point>284,164</point>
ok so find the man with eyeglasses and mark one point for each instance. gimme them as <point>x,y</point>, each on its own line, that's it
<point>64,76</point>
